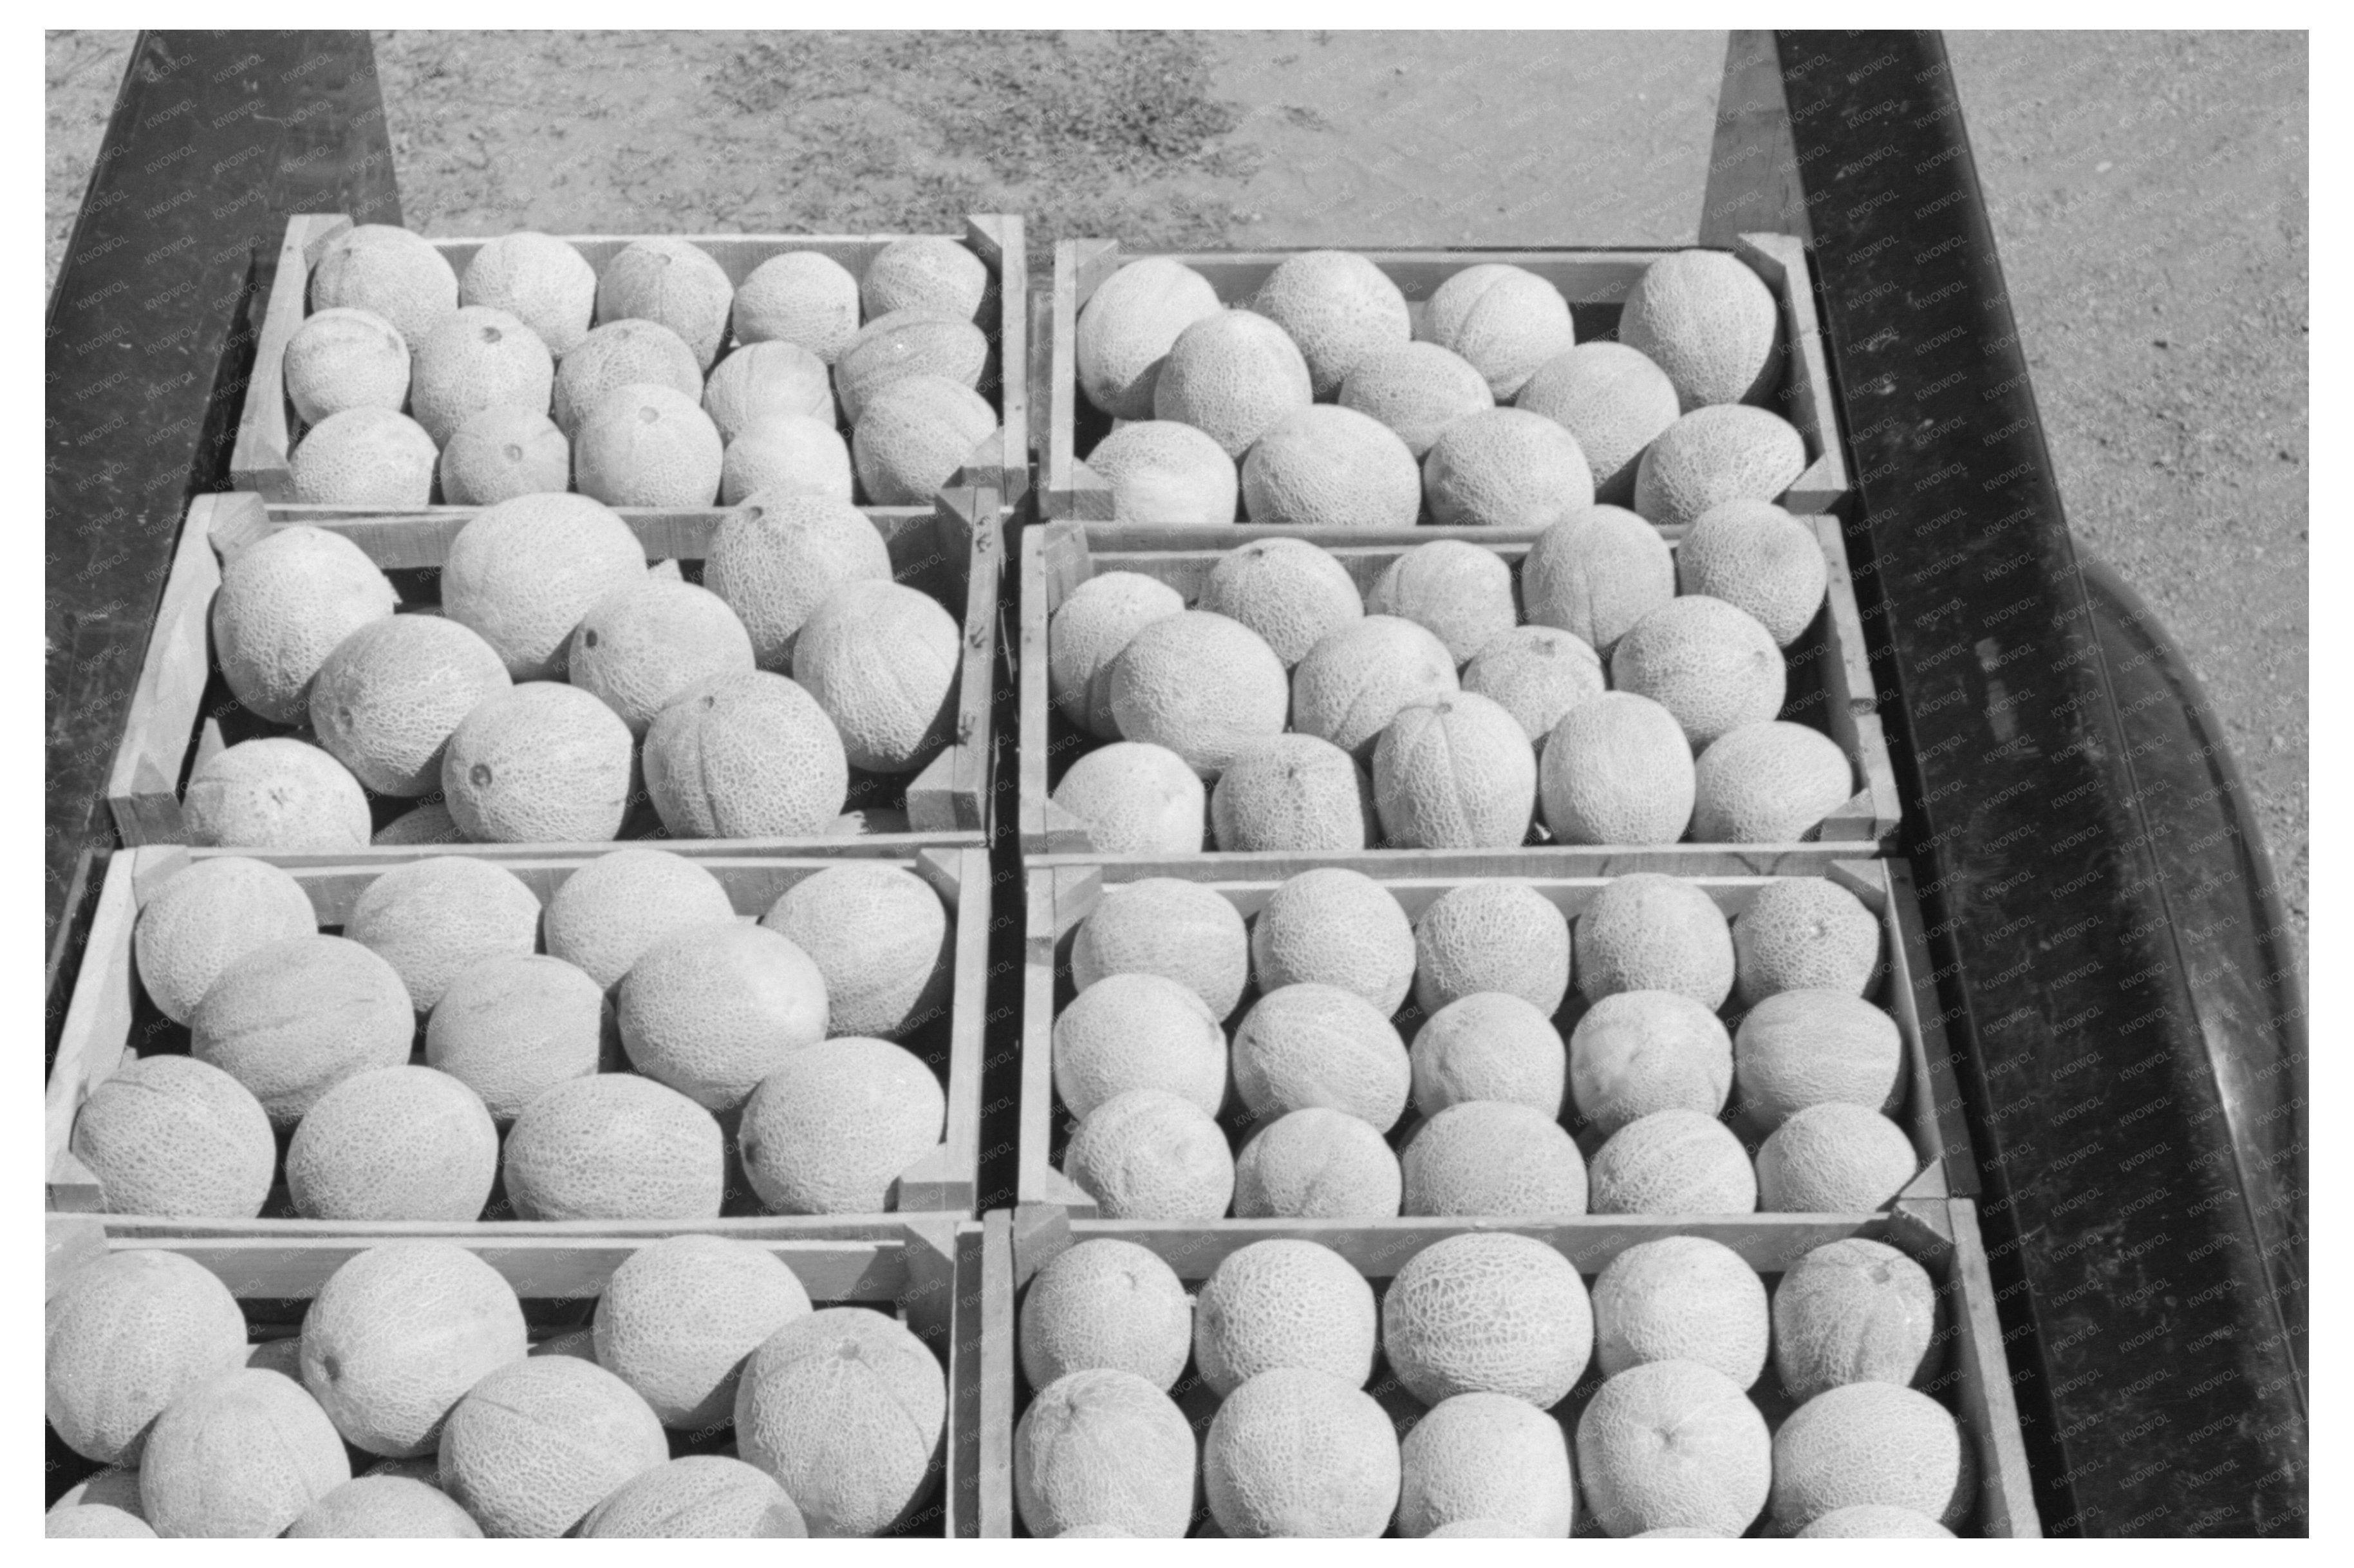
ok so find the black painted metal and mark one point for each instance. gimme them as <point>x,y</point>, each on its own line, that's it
<point>215,139</point>
<point>2119,1091</point>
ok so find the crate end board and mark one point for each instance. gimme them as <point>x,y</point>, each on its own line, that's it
<point>260,459</point>
<point>98,1036</point>
<point>1057,558</point>
<point>1590,276</point>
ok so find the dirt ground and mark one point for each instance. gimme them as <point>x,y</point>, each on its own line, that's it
<point>2148,190</point>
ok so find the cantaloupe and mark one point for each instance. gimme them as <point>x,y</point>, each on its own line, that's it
<point>1126,327</point>
<point>1874,1520</point>
<point>605,914</point>
<point>1852,1310</point>
<point>240,1455</point>
<point>1357,677</point>
<point>1462,593</point>
<point>432,919</point>
<point>1769,782</point>
<point>1481,1530</point>
<point>1135,799</point>
<point>340,359</point>
<point>1489,1045</point>
<point>1106,1303</point>
<point>902,344</point>
<point>1200,685</point>
<point>776,558</point>
<point>621,353</point>
<point>1637,1052</point>
<point>383,267</point>
<point>535,1445</point>
<point>1290,591</point>
<point>1335,927</point>
<point>1138,1032</point>
<point>523,573</point>
<point>835,1126</point>
<point>1283,1302</point>
<point>397,1335</point>
<point>512,1026</point>
<point>1652,932</point>
<point>1151,1155</point>
<point>93,1521</point>
<point>1088,631</point>
<point>292,1019</point>
<point>275,793</point>
<point>1673,1162</point>
<point>1681,1298</point>
<point>1486,1458</point>
<point>479,357</point>
<point>1168,927</point>
<point>1727,451</point>
<point>1492,936</point>
<point>641,646</point>
<point>680,1315</point>
<point>672,281</point>
<point>1163,472</point>
<point>1537,673</point>
<point>915,435</point>
<point>1617,769</point>
<point>1323,466</point>
<point>1300,1452</point>
<point>1834,1158</point>
<point>209,914</point>
<point>365,457</point>
<point>647,445</point>
<point>1505,468</point>
<point>398,1143</point>
<point>538,278</point>
<point>1231,376</point>
<point>1595,574</point>
<point>429,823</point>
<point>1104,1447</point>
<point>786,457</point>
<point>1417,389</point>
<point>274,1355</point>
<point>1798,1048</point>
<point>1488,1311</point>
<point>1708,321</point>
<point>1481,1158</point>
<point>1871,1442</point>
<point>1614,400</point>
<point>712,1010</point>
<point>1804,934</point>
<point>1317,1163</point>
<point>173,1137</point>
<point>749,755</point>
<point>1504,321</point>
<point>385,1508</point>
<point>1758,559</point>
<point>762,381</point>
<point>925,271</point>
<point>1455,773</point>
<point>499,453</point>
<point>803,297</point>
<point>847,1409</point>
<point>1674,1443</point>
<point>285,601</point>
<point>883,661</point>
<point>614,1145</point>
<point>1293,793</point>
<point>1339,308</point>
<point>702,1495</point>
<point>880,937</point>
<point>126,1334</point>
<point>1314,1045</point>
<point>541,763</point>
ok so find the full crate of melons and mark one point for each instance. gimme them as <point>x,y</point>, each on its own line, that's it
<point>790,675</point>
<point>595,1386</point>
<point>625,1044</point>
<point>393,370</point>
<point>1769,1375</point>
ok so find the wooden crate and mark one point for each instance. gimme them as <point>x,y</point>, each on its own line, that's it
<point>267,427</point>
<point>1063,895</point>
<point>111,1019</point>
<point>1974,1380</point>
<point>181,711</point>
<point>913,1268</point>
<point>1595,281</point>
<point>1830,683</point>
